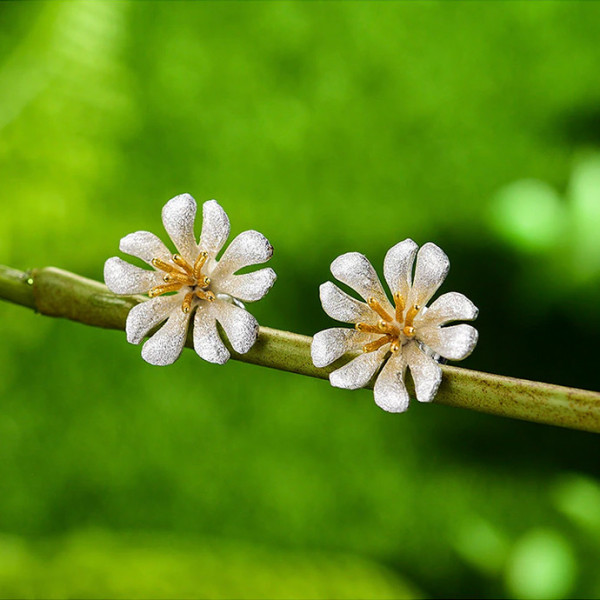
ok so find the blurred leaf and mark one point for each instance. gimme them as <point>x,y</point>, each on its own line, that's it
<point>578,497</point>
<point>584,193</point>
<point>99,565</point>
<point>530,215</point>
<point>482,545</point>
<point>541,565</point>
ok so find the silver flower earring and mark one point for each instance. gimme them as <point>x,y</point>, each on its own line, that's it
<point>192,281</point>
<point>407,334</point>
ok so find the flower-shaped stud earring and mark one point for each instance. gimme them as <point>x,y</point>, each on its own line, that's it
<point>192,280</point>
<point>406,334</point>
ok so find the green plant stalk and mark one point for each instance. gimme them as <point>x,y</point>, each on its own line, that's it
<point>57,293</point>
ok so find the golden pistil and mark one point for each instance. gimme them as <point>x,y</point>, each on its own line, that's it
<point>176,276</point>
<point>382,341</point>
<point>381,327</point>
<point>411,313</point>
<point>390,328</point>
<point>400,305</point>
<point>205,295</point>
<point>365,328</point>
<point>374,305</point>
<point>164,289</point>
<point>162,265</point>
<point>181,262</point>
<point>386,327</point>
<point>200,261</point>
<point>179,274</point>
<point>186,305</point>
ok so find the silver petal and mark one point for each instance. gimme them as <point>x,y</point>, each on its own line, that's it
<point>452,306</point>
<point>389,391</point>
<point>144,245</point>
<point>215,228</point>
<point>248,287</point>
<point>342,307</point>
<point>358,372</point>
<point>426,373</point>
<point>328,345</point>
<point>240,326</point>
<point>178,216</point>
<point>248,248</point>
<point>165,346</point>
<point>124,278</point>
<point>398,265</point>
<point>431,270</point>
<point>454,343</point>
<point>355,270</point>
<point>207,342</point>
<point>146,315</point>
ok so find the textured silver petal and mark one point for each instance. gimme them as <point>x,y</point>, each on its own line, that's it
<point>342,307</point>
<point>207,342</point>
<point>328,345</point>
<point>240,326</point>
<point>144,245</point>
<point>215,228</point>
<point>178,216</point>
<point>452,306</point>
<point>146,315</point>
<point>431,270</point>
<point>248,287</point>
<point>248,248</point>
<point>355,270</point>
<point>358,372</point>
<point>426,373</point>
<point>398,265</point>
<point>454,343</point>
<point>124,278</point>
<point>389,390</point>
<point>165,346</point>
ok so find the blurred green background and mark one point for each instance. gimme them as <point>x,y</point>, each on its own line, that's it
<point>330,127</point>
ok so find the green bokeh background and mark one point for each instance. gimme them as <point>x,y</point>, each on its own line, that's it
<point>330,127</point>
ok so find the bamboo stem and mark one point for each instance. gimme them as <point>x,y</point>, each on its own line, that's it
<point>57,293</point>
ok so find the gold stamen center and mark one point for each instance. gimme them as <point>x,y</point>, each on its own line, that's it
<point>396,330</point>
<point>180,274</point>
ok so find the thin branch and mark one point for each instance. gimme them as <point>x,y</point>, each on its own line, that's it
<point>58,293</point>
